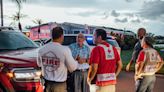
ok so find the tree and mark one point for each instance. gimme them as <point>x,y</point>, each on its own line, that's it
<point>16,18</point>
<point>38,22</point>
<point>19,5</point>
<point>18,14</point>
<point>150,34</point>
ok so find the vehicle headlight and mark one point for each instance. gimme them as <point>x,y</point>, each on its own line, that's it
<point>26,75</point>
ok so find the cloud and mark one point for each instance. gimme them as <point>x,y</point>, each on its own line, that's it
<point>129,14</point>
<point>86,13</point>
<point>114,13</point>
<point>129,0</point>
<point>99,4</point>
<point>153,10</point>
<point>105,15</point>
<point>136,21</point>
<point>124,20</point>
<point>64,3</point>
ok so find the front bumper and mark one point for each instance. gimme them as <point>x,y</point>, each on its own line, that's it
<point>28,87</point>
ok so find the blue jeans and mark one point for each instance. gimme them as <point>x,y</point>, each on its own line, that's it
<point>145,84</point>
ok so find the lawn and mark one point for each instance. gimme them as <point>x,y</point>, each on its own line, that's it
<point>126,56</point>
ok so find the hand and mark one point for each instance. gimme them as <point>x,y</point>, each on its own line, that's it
<point>77,58</point>
<point>88,81</point>
<point>128,67</point>
<point>81,60</point>
<point>136,77</point>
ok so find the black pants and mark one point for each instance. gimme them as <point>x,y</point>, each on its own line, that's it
<point>70,82</point>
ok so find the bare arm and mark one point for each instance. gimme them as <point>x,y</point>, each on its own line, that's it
<point>89,74</point>
<point>160,63</point>
<point>92,72</point>
<point>138,70</point>
<point>133,59</point>
<point>129,65</point>
<point>159,66</point>
<point>119,67</point>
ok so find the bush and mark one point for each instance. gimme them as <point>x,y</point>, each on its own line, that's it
<point>127,43</point>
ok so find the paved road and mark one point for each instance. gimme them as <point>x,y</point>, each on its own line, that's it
<point>126,83</point>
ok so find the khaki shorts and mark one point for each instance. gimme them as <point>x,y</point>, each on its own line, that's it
<point>108,88</point>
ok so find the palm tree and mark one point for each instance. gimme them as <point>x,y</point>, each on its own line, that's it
<point>38,22</point>
<point>16,18</point>
<point>19,4</point>
<point>18,15</point>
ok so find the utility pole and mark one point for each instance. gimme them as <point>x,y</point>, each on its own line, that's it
<point>1,1</point>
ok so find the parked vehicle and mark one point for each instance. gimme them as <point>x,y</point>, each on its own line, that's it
<point>18,66</point>
<point>40,42</point>
<point>71,38</point>
<point>158,45</point>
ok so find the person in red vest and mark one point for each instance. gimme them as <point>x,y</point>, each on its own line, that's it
<point>148,63</point>
<point>105,63</point>
<point>137,48</point>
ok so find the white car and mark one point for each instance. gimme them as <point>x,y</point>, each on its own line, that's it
<point>71,38</point>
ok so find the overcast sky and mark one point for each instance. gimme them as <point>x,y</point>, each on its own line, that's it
<point>122,14</point>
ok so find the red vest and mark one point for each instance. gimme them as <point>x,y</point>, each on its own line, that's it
<point>106,56</point>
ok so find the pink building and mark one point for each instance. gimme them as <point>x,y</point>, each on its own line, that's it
<point>44,31</point>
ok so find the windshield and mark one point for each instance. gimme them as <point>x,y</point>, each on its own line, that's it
<point>89,40</point>
<point>14,40</point>
<point>69,40</point>
<point>72,39</point>
<point>112,42</point>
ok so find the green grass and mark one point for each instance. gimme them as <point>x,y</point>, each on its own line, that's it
<point>126,56</point>
<point>162,55</point>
